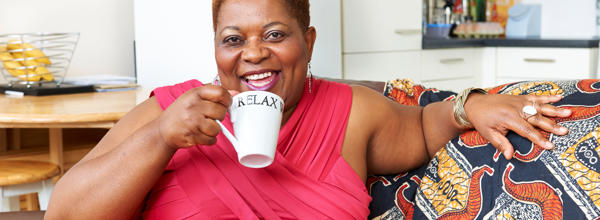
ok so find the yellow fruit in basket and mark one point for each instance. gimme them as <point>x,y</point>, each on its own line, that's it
<point>37,53</point>
<point>35,68</point>
<point>44,73</point>
<point>30,77</point>
<point>9,65</point>
<point>37,71</point>
<point>29,63</point>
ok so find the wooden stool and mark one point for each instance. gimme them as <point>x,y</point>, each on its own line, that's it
<point>19,177</point>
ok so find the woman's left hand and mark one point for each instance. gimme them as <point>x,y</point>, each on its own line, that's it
<point>495,114</point>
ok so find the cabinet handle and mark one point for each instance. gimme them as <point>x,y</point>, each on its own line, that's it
<point>407,31</point>
<point>452,60</point>
<point>539,60</point>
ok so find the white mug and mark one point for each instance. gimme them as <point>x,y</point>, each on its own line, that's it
<point>256,118</point>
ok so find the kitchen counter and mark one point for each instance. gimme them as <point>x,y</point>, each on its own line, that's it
<point>513,42</point>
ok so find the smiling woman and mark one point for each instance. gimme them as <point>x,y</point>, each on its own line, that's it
<point>264,45</point>
<point>168,159</point>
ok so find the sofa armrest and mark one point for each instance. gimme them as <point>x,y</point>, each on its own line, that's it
<point>375,85</point>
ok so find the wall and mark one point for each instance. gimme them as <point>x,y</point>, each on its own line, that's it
<point>106,30</point>
<point>174,41</point>
<point>327,55</point>
<point>567,19</point>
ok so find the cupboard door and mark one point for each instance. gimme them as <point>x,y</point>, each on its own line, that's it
<point>450,64</point>
<point>545,63</point>
<point>383,66</point>
<point>382,25</point>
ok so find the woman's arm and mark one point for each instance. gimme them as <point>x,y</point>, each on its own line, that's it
<point>400,138</point>
<point>396,137</point>
<point>113,179</point>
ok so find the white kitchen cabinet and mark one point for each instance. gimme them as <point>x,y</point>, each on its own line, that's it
<point>449,63</point>
<point>487,73</point>
<point>451,69</point>
<point>518,64</point>
<point>382,25</point>
<point>381,39</point>
<point>383,66</point>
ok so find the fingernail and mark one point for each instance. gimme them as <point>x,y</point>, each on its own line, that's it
<point>563,130</point>
<point>506,155</point>
<point>549,145</point>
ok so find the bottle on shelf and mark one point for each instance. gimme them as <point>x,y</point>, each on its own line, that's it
<point>502,7</point>
<point>473,9</point>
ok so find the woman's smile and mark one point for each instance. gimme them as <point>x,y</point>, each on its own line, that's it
<point>261,80</point>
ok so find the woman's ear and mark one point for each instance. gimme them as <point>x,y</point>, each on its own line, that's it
<point>309,38</point>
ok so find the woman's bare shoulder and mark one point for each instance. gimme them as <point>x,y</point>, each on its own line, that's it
<point>367,102</point>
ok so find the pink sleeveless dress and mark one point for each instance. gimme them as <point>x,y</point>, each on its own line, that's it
<point>309,179</point>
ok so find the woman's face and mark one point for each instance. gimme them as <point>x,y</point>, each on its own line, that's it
<point>258,46</point>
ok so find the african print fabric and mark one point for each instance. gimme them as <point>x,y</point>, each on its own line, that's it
<point>470,179</point>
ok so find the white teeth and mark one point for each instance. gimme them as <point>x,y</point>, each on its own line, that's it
<point>259,76</point>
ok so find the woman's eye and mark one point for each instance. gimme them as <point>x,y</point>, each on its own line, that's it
<point>233,40</point>
<point>274,35</point>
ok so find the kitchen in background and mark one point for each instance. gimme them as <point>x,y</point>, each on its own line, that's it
<point>510,18</point>
<point>513,40</point>
<point>516,41</point>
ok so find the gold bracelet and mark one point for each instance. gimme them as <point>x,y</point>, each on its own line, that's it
<point>459,106</point>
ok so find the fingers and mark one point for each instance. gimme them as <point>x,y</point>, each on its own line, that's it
<point>190,120</point>
<point>547,124</point>
<point>528,131</point>
<point>209,127</point>
<point>205,133</point>
<point>212,110</point>
<point>502,144</point>
<point>214,93</point>
<point>543,109</point>
<point>544,99</point>
<point>198,138</point>
<point>553,111</point>
<point>204,139</point>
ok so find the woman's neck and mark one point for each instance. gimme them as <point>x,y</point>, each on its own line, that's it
<point>287,114</point>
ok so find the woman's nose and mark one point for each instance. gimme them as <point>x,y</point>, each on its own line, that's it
<point>255,52</point>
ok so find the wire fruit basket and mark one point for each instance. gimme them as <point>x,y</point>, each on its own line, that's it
<point>32,59</point>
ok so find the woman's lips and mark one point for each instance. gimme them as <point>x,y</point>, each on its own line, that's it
<point>261,81</point>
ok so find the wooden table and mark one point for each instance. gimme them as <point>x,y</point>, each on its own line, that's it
<point>83,110</point>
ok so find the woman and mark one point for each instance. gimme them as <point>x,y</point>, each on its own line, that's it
<point>167,159</point>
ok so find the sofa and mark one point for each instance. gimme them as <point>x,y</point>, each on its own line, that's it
<point>469,179</point>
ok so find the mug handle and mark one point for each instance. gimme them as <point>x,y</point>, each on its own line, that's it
<point>228,135</point>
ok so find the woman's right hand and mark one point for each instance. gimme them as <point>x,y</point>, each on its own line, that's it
<point>191,119</point>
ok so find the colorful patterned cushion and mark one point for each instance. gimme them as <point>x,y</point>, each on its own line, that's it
<point>469,179</point>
